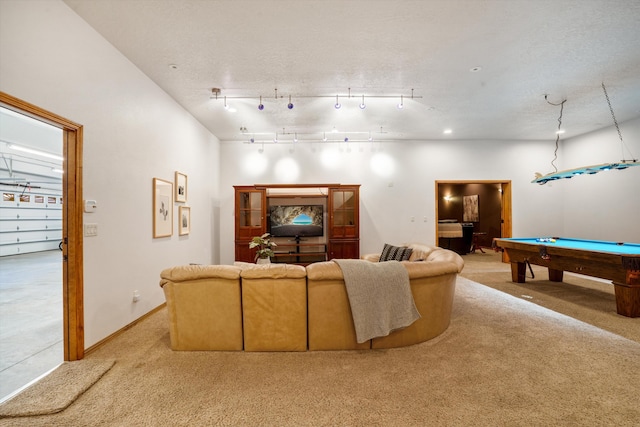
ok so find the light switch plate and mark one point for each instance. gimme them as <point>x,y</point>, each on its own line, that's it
<point>90,230</point>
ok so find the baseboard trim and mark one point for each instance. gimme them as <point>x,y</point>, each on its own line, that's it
<point>123,329</point>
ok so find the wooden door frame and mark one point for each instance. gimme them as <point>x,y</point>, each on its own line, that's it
<point>72,247</point>
<point>505,211</point>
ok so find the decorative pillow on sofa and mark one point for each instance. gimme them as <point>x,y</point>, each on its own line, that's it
<point>395,253</point>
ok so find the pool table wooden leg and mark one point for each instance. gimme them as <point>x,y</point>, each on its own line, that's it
<point>518,270</point>
<point>628,295</point>
<point>555,275</point>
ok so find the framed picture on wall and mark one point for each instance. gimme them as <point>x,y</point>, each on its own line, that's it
<point>181,187</point>
<point>470,209</point>
<point>162,208</point>
<point>184,213</point>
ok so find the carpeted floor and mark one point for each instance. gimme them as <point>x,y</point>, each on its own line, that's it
<point>504,361</point>
<point>58,390</point>
<point>585,298</point>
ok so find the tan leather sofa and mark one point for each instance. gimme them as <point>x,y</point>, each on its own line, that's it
<point>204,306</point>
<point>432,275</point>
<point>274,307</point>
<point>285,307</point>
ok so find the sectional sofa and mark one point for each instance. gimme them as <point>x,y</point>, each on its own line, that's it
<point>285,307</point>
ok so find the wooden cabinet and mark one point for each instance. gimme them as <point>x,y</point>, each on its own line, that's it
<point>300,253</point>
<point>344,222</point>
<point>342,228</point>
<point>250,218</point>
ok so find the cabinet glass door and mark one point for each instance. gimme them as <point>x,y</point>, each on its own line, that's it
<point>251,218</point>
<point>343,213</point>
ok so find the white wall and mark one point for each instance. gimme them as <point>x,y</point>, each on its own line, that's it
<point>133,131</point>
<point>398,182</point>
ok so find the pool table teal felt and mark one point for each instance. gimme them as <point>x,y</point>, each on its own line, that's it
<point>615,261</point>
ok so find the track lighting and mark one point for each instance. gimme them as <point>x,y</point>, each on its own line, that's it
<point>228,107</point>
<point>293,137</point>
<point>216,94</point>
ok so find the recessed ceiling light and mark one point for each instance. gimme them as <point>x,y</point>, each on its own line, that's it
<point>475,69</point>
<point>173,66</point>
<point>447,131</point>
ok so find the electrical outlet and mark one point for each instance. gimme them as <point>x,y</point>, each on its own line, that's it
<point>136,296</point>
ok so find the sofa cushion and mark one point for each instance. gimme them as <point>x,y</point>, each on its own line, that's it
<point>395,253</point>
<point>184,273</point>
<point>419,251</point>
<point>272,271</point>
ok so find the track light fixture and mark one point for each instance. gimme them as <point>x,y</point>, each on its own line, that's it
<point>216,92</point>
<point>289,137</point>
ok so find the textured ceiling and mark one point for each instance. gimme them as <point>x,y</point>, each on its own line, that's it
<point>525,49</point>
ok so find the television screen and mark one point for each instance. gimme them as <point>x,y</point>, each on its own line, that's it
<point>298,220</point>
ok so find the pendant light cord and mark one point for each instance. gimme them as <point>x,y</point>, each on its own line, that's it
<point>555,152</point>
<point>615,122</point>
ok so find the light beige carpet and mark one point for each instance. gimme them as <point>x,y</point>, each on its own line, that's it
<point>585,298</point>
<point>504,361</point>
<point>56,391</point>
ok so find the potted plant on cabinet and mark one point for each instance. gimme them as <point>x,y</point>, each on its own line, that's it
<point>265,248</point>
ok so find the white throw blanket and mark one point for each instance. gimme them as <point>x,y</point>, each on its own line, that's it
<point>379,295</point>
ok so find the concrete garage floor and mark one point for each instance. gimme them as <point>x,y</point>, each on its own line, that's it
<point>31,329</point>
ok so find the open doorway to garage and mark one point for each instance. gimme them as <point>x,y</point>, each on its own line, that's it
<point>31,334</point>
<point>69,243</point>
<point>471,214</point>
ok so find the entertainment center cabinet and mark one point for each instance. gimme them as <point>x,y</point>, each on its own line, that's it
<point>340,223</point>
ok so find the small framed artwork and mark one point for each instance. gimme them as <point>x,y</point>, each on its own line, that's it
<point>184,212</point>
<point>181,187</point>
<point>162,208</point>
<point>470,209</point>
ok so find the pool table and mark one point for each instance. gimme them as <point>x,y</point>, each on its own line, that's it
<point>615,261</point>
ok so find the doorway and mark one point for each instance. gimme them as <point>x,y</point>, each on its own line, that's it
<point>72,244</point>
<point>493,200</point>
